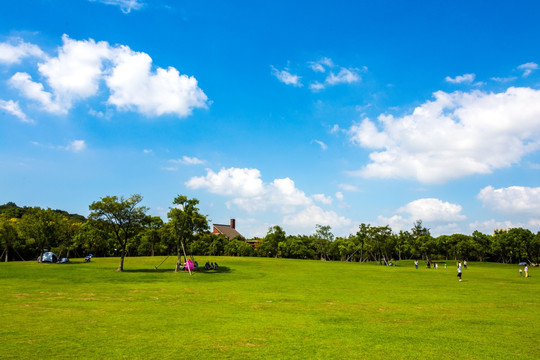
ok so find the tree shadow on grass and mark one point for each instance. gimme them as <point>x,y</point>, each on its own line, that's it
<point>221,269</point>
<point>148,270</point>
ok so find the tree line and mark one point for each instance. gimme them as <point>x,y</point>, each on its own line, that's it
<point>118,226</point>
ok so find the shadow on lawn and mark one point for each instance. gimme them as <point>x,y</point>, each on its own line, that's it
<point>221,269</point>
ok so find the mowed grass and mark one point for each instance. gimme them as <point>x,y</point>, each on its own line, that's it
<point>267,308</point>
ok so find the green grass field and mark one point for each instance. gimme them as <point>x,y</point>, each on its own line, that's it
<point>267,308</point>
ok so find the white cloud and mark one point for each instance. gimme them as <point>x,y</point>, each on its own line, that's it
<point>286,77</point>
<point>320,66</point>
<point>317,67</point>
<point>465,78</point>
<point>433,210</point>
<point>82,66</point>
<point>14,109</point>
<point>367,134</point>
<point>77,145</point>
<point>528,68</point>
<point>134,86</point>
<point>456,135</point>
<point>335,129</point>
<point>439,216</point>
<point>316,86</point>
<point>285,193</point>
<point>125,5</point>
<point>348,187</point>
<point>35,91</point>
<point>489,226</point>
<point>504,80</point>
<point>344,76</point>
<point>76,71</point>
<point>339,196</point>
<point>13,54</point>
<point>322,198</point>
<point>232,181</point>
<point>313,215</point>
<point>251,194</point>
<point>513,200</point>
<point>321,144</point>
<point>186,160</point>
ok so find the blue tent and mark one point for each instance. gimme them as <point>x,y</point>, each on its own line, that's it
<point>49,257</point>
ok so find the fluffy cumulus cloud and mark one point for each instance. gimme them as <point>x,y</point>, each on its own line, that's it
<point>82,68</point>
<point>513,200</point>
<point>232,181</point>
<point>433,210</point>
<point>440,216</point>
<point>35,91</point>
<point>251,194</point>
<point>135,86</point>
<point>14,53</point>
<point>456,135</point>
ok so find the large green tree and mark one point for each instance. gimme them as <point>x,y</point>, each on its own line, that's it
<point>185,220</point>
<point>8,235</point>
<point>121,217</point>
<point>270,244</point>
<point>42,228</point>
<point>323,237</point>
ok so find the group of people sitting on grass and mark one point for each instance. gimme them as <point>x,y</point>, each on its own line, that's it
<point>211,266</point>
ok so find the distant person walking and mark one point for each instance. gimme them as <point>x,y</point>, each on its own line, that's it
<point>526,269</point>
<point>459,271</point>
<point>465,264</point>
<point>520,272</point>
<point>416,264</point>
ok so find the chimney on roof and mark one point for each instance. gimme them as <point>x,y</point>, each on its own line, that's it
<point>233,223</point>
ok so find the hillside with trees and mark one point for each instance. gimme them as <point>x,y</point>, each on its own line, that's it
<point>119,227</point>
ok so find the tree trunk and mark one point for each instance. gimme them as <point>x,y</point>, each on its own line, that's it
<point>179,257</point>
<point>122,255</point>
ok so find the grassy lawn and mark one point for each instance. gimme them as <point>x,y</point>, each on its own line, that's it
<point>267,308</point>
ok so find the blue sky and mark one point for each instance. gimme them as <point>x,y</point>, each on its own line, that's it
<point>277,113</point>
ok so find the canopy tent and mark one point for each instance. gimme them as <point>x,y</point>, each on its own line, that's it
<point>48,257</point>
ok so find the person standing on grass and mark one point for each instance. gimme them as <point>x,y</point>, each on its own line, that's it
<point>459,271</point>
<point>526,271</point>
<point>465,264</point>
<point>416,264</point>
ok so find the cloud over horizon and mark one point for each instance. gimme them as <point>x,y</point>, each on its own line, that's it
<point>252,195</point>
<point>453,136</point>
